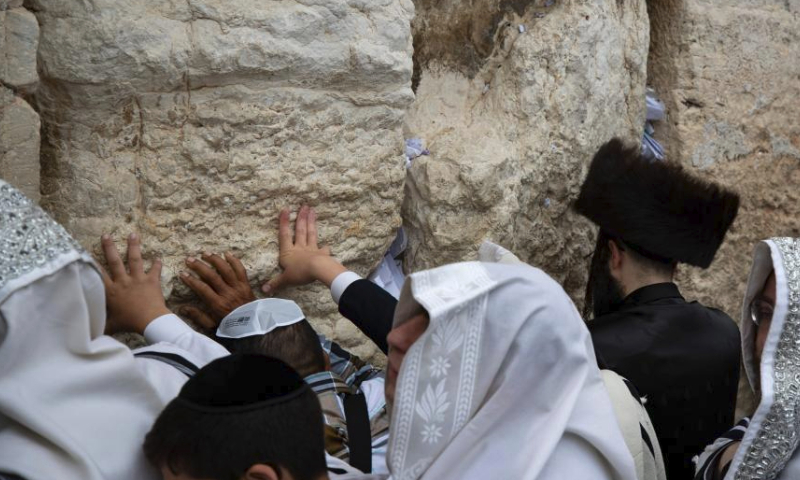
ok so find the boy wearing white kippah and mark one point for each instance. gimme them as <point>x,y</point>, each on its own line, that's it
<point>351,392</point>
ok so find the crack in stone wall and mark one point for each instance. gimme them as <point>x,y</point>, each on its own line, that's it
<point>19,123</point>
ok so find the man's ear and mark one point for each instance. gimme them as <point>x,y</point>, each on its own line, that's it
<point>261,472</point>
<point>616,258</point>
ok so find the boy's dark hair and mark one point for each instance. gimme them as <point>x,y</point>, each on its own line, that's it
<point>296,344</point>
<point>240,411</point>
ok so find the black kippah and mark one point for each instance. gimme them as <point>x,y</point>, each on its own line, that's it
<point>241,382</point>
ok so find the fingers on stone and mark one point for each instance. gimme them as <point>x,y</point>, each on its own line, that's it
<point>135,263</point>
<point>272,286</point>
<point>284,234</point>
<point>199,287</point>
<point>222,266</point>
<point>238,266</point>
<point>301,227</point>
<point>115,265</point>
<point>312,236</point>
<point>155,268</point>
<point>206,274</point>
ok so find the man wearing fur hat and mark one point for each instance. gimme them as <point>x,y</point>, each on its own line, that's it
<point>682,356</point>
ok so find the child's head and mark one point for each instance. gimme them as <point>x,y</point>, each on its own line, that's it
<point>241,417</point>
<point>296,344</point>
<point>276,328</point>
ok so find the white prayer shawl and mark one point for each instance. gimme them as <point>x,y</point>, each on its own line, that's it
<point>769,446</point>
<point>632,417</point>
<point>73,403</point>
<point>503,383</point>
<point>635,424</point>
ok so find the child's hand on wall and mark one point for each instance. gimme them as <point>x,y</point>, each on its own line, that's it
<point>133,296</point>
<point>302,260</point>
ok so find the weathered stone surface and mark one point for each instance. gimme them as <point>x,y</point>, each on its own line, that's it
<point>770,207</point>
<point>19,143</point>
<point>19,37</point>
<point>194,122</point>
<point>8,4</point>
<point>512,120</point>
<point>729,72</point>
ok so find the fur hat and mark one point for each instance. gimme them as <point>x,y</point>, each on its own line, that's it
<point>655,207</point>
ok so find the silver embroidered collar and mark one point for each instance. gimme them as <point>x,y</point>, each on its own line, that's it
<point>777,436</point>
<point>29,238</point>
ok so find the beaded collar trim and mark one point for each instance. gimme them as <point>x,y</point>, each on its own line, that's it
<point>29,238</point>
<point>777,437</point>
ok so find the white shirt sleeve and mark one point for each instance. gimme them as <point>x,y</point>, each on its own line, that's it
<point>172,330</point>
<point>165,379</point>
<point>341,282</point>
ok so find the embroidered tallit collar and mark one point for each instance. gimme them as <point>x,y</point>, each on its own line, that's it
<point>32,245</point>
<point>773,435</point>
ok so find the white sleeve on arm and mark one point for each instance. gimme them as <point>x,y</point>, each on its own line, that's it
<point>341,282</point>
<point>174,331</point>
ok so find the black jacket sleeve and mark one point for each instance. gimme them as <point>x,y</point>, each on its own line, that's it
<point>371,309</point>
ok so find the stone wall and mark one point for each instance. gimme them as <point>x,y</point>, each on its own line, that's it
<point>730,75</point>
<point>19,123</point>
<point>194,122</point>
<point>512,119</point>
<point>729,72</point>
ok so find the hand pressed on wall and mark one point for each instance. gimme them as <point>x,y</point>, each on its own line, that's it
<point>302,260</point>
<point>221,283</point>
<point>133,296</point>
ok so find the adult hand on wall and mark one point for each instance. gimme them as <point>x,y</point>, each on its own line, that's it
<point>302,260</point>
<point>133,296</point>
<point>223,288</point>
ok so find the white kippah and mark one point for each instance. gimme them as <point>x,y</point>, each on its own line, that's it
<point>260,317</point>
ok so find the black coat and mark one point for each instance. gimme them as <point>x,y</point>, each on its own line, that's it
<point>371,309</point>
<point>684,358</point>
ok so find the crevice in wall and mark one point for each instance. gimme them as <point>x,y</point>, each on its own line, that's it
<point>19,117</point>
<point>666,24</point>
<point>463,37</point>
<point>53,173</point>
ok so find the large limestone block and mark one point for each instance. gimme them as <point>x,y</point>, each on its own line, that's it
<point>19,37</point>
<point>729,74</point>
<point>19,143</point>
<point>194,122</point>
<point>512,120</point>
